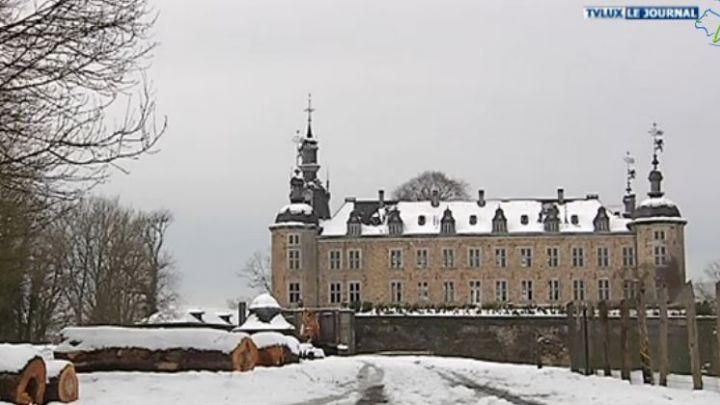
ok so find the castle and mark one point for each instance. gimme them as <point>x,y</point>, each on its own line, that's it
<point>544,251</point>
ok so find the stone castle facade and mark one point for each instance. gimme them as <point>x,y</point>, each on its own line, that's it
<point>545,251</point>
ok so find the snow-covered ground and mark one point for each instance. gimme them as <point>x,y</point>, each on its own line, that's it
<point>397,380</point>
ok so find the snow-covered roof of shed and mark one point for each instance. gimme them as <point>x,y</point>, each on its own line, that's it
<point>514,209</point>
<point>253,323</point>
<point>187,315</point>
<point>264,300</point>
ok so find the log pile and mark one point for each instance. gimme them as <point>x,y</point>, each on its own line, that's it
<point>276,349</point>
<point>22,375</point>
<point>157,349</point>
<point>62,382</point>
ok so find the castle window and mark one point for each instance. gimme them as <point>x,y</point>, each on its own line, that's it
<point>293,258</point>
<point>475,292</point>
<point>473,219</point>
<point>630,289</point>
<point>552,225</point>
<point>293,239</point>
<point>448,258</point>
<point>659,235</point>
<point>335,258</point>
<point>354,259</point>
<point>628,253</point>
<point>554,290</point>
<point>396,259</point>
<point>501,291</point>
<point>601,221</point>
<point>578,257</point>
<point>423,291</point>
<point>474,257</point>
<point>447,223</point>
<point>294,295</point>
<point>396,292</point>
<point>395,228</point>
<point>553,257</point>
<point>574,219</point>
<point>449,291</point>
<point>354,291</point>
<point>500,257</point>
<point>524,219</point>
<point>603,257</point>
<point>604,289</point>
<point>525,257</point>
<point>421,220</point>
<point>499,222</point>
<point>660,253</point>
<point>527,290</point>
<point>421,258</point>
<point>335,293</point>
<point>579,290</point>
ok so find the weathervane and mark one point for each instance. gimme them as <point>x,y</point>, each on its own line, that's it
<point>658,144</point>
<point>630,164</point>
<point>309,110</point>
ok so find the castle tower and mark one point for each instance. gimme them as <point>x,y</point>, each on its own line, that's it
<point>294,234</point>
<point>660,231</point>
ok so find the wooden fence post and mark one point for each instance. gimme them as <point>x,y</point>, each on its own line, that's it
<point>693,347</point>
<point>662,298</point>
<point>605,325</point>
<point>625,339</point>
<point>572,337</point>
<point>645,356</point>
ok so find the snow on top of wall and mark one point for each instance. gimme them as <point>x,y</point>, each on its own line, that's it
<point>269,339</point>
<point>657,202</point>
<point>102,337</point>
<point>253,323</point>
<point>585,210</point>
<point>208,316</point>
<point>264,300</point>
<point>14,358</point>
<point>298,208</point>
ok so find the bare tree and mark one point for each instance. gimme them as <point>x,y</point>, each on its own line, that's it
<point>257,271</point>
<point>421,187</point>
<point>65,66</point>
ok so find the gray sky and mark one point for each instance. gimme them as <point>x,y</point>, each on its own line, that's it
<point>516,97</point>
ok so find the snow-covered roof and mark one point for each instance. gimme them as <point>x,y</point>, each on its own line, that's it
<point>410,211</point>
<point>657,202</point>
<point>14,358</point>
<point>192,315</point>
<point>254,324</point>
<point>264,300</point>
<point>101,337</point>
<point>297,208</point>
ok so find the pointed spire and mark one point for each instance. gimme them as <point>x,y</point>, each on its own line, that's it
<point>309,110</point>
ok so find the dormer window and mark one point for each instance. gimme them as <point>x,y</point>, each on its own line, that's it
<point>395,224</point>
<point>551,223</point>
<point>574,219</point>
<point>601,222</point>
<point>354,229</point>
<point>421,220</point>
<point>447,223</point>
<point>473,219</point>
<point>499,222</point>
<point>524,219</point>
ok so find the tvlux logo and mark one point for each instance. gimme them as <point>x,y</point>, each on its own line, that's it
<point>644,13</point>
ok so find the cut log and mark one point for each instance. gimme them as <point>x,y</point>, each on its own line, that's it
<point>166,350</point>
<point>62,382</point>
<point>22,375</point>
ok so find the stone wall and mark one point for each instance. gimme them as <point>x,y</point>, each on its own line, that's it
<point>513,339</point>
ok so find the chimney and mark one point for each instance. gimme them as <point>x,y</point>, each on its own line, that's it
<point>435,199</point>
<point>561,195</point>
<point>629,202</point>
<point>381,198</point>
<point>481,198</point>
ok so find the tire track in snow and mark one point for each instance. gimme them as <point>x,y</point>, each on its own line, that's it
<point>456,378</point>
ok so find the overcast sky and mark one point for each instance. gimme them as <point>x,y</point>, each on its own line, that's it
<point>516,97</point>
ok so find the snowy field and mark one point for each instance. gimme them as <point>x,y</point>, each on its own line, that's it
<point>377,379</point>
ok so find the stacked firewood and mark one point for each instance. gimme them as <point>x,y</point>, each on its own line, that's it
<point>27,378</point>
<point>157,349</point>
<point>276,349</point>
